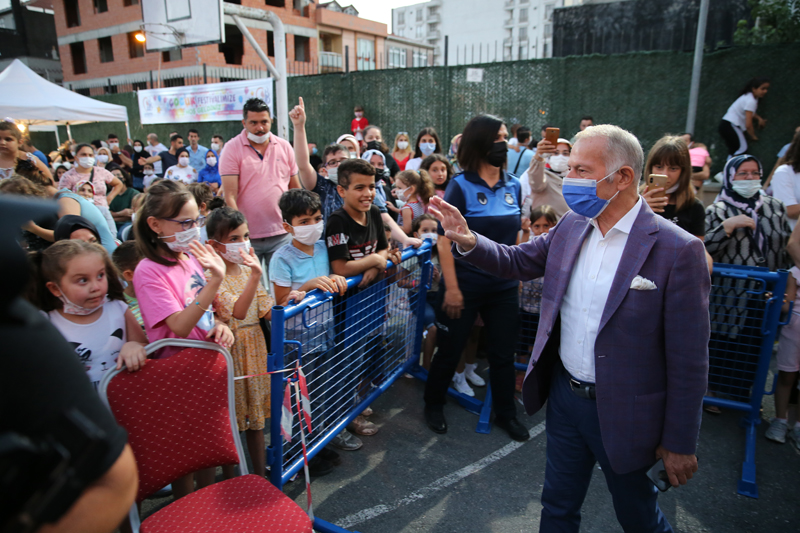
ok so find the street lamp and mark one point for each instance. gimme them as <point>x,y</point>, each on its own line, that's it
<point>140,37</point>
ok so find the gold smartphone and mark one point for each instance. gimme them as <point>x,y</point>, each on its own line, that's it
<point>655,181</point>
<point>551,135</point>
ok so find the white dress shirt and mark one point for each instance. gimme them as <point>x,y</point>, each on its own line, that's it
<point>587,294</point>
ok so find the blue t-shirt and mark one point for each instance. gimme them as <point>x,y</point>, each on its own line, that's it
<point>197,160</point>
<point>519,161</point>
<point>90,212</point>
<point>331,201</point>
<point>492,212</point>
<point>41,156</point>
<point>292,267</point>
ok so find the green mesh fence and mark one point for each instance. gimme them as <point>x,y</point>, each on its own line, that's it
<point>646,93</point>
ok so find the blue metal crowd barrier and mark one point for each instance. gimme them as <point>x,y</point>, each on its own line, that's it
<point>745,312</point>
<point>351,349</point>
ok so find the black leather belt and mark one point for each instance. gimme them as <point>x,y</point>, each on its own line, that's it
<point>581,389</point>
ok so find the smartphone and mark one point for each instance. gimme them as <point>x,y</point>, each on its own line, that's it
<point>551,135</point>
<point>655,181</point>
<point>658,475</point>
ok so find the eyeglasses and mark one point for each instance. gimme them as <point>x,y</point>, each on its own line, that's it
<point>756,175</point>
<point>334,162</point>
<point>189,223</point>
<point>403,133</point>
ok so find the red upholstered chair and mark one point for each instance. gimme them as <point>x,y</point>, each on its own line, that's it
<point>180,417</point>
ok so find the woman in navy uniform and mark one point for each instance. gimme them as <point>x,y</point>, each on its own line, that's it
<point>489,198</point>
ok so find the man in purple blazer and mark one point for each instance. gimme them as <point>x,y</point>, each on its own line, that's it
<point>622,347</point>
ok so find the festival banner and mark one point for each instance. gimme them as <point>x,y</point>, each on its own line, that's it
<point>214,102</point>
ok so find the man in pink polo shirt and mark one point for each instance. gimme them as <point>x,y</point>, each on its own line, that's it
<point>257,168</point>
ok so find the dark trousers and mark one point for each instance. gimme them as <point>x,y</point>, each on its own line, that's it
<point>574,446</point>
<point>734,139</point>
<point>500,314</point>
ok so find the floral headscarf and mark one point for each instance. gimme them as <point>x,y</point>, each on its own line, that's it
<point>748,206</point>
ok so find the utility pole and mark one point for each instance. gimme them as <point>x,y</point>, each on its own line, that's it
<point>697,67</point>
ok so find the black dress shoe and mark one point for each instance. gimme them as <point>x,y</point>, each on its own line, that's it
<point>435,420</point>
<point>514,428</point>
<point>331,456</point>
<point>318,467</point>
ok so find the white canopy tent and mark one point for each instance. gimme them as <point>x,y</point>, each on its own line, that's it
<point>29,98</point>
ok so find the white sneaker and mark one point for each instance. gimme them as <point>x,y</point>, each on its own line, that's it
<point>475,379</point>
<point>777,430</point>
<point>461,385</point>
<point>794,436</point>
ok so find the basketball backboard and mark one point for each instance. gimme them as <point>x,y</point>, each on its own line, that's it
<point>176,23</point>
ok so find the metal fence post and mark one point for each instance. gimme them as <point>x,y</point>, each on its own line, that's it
<point>446,48</point>
<point>275,362</point>
<point>205,74</point>
<point>346,59</point>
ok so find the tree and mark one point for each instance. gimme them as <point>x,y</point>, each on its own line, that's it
<point>776,22</point>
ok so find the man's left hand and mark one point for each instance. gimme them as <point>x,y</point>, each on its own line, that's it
<point>680,468</point>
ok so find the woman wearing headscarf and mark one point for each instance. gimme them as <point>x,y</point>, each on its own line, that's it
<point>743,227</point>
<point>378,160</point>
<point>452,154</point>
<point>76,227</point>
<point>210,173</point>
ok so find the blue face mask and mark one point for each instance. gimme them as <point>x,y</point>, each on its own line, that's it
<point>581,196</point>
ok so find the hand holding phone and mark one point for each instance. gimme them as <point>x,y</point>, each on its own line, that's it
<point>551,135</point>
<point>658,475</point>
<point>656,181</point>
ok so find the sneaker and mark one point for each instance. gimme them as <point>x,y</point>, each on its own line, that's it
<point>318,467</point>
<point>794,436</point>
<point>472,377</point>
<point>777,430</point>
<point>461,385</point>
<point>346,441</point>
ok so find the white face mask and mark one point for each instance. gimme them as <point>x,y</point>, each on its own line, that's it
<point>400,194</point>
<point>427,148</point>
<point>183,161</point>
<point>746,188</point>
<point>133,218</point>
<point>102,158</point>
<point>673,188</point>
<point>402,145</point>
<point>310,234</point>
<point>215,147</point>
<point>137,149</point>
<point>86,162</point>
<point>431,236</point>
<point>232,254</point>
<point>558,163</point>
<point>113,145</point>
<point>333,175</point>
<point>211,161</point>
<point>148,172</point>
<point>74,309</point>
<point>258,139</point>
<point>182,240</point>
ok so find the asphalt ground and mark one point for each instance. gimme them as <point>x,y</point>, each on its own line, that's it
<point>409,479</point>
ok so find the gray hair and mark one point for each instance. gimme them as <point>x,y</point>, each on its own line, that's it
<point>622,147</point>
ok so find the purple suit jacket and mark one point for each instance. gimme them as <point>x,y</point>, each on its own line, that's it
<point>651,353</point>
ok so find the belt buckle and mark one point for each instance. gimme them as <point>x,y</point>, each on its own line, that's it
<point>574,383</point>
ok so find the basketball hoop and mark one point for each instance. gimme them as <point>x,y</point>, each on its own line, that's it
<point>158,30</point>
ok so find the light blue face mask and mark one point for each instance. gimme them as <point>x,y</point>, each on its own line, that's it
<point>581,196</point>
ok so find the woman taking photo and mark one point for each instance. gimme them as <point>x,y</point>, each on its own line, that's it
<point>670,157</point>
<point>427,144</point>
<point>546,176</point>
<point>402,149</point>
<point>489,198</point>
<point>741,117</point>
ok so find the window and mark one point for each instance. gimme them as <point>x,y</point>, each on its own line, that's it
<point>418,34</point>
<point>419,15</point>
<point>433,11</point>
<point>365,59</point>
<point>302,49</point>
<point>139,86</point>
<point>106,50</point>
<point>523,14</point>
<point>544,50</point>
<point>275,3</point>
<point>135,48</point>
<point>420,59</point>
<point>397,57</point>
<point>100,6</point>
<point>127,3</point>
<point>72,13</point>
<point>78,53</point>
<point>548,11</point>
<point>523,34</point>
<point>401,18</point>
<point>109,89</point>
<point>270,44</point>
<point>233,47</point>
<point>522,50</point>
<point>548,30</point>
<point>84,92</point>
<point>172,55</point>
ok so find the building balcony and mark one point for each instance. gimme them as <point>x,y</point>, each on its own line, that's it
<point>434,18</point>
<point>508,41</point>
<point>330,62</point>
<point>435,34</point>
<point>509,3</point>
<point>510,23</point>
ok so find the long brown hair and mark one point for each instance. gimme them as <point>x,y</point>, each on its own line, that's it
<point>165,199</point>
<point>51,265</point>
<point>671,150</point>
<point>422,183</point>
<point>792,157</point>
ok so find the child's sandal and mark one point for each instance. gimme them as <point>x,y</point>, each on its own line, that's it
<point>362,426</point>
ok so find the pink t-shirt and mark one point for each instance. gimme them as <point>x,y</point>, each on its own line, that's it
<point>698,156</point>
<point>261,181</point>
<point>100,177</point>
<point>165,290</point>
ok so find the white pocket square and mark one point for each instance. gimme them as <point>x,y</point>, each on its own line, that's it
<point>642,284</point>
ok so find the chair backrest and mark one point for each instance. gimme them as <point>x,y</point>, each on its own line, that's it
<point>179,412</point>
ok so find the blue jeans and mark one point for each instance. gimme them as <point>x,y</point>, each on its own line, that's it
<point>574,446</point>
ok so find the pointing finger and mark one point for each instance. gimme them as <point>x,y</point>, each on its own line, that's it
<point>301,103</point>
